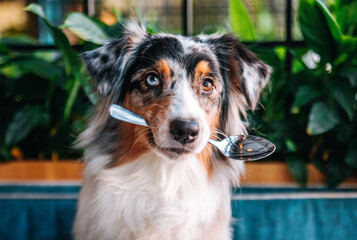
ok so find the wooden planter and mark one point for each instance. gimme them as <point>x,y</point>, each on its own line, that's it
<point>71,170</point>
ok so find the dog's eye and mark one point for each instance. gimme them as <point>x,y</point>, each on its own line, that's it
<point>152,79</point>
<point>207,85</point>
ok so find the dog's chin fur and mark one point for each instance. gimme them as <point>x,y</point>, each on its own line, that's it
<point>173,153</point>
<point>139,183</point>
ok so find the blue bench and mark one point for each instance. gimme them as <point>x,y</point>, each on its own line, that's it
<point>43,211</point>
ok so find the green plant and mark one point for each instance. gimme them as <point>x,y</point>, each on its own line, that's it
<point>311,114</point>
<point>46,94</point>
<point>263,27</point>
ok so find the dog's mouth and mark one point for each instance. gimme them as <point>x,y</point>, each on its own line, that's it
<point>173,153</point>
<point>178,151</point>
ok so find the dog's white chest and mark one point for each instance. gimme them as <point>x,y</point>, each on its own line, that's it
<point>157,199</point>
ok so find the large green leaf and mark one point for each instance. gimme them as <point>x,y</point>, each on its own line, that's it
<point>346,16</point>
<point>18,40</point>
<point>34,65</point>
<point>298,169</point>
<point>71,99</point>
<point>240,20</point>
<point>331,22</point>
<point>351,156</point>
<point>304,95</point>
<point>321,119</point>
<point>4,49</point>
<point>85,28</point>
<point>315,30</point>
<point>344,2</point>
<point>352,77</point>
<point>23,122</point>
<point>71,59</point>
<point>290,145</point>
<point>320,165</point>
<point>337,169</point>
<point>344,95</point>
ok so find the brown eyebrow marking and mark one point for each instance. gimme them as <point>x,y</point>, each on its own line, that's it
<point>202,69</point>
<point>163,68</point>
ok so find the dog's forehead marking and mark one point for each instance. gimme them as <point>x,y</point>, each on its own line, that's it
<point>163,67</point>
<point>202,68</point>
<point>185,103</point>
<point>161,45</point>
<point>190,45</point>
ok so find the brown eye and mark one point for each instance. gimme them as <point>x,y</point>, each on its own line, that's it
<point>152,79</point>
<point>207,85</point>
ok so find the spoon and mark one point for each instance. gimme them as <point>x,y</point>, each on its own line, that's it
<point>241,147</point>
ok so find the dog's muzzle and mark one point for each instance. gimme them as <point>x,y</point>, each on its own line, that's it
<point>184,131</point>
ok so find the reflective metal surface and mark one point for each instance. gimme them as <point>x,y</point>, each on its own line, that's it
<point>242,147</point>
<point>125,115</point>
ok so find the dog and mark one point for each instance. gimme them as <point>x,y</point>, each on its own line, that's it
<point>165,181</point>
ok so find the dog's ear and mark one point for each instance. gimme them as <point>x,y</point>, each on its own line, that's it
<point>105,63</point>
<point>241,67</point>
<point>244,76</point>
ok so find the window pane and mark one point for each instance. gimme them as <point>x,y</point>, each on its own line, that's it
<point>14,21</point>
<point>267,16</point>
<point>296,28</point>
<point>165,14</point>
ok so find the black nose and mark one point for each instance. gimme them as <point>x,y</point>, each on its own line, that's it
<point>184,131</point>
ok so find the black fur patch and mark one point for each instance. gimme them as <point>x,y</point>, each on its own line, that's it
<point>102,64</point>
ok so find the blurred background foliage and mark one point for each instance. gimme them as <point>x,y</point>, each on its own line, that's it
<point>309,113</point>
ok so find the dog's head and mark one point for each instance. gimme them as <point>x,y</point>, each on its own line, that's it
<point>189,89</point>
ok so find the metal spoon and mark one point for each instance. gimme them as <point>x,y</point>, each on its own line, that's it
<point>241,147</point>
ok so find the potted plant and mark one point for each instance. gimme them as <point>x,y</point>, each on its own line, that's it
<point>310,114</point>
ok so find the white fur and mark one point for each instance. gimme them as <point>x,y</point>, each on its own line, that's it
<point>185,106</point>
<point>254,83</point>
<point>135,31</point>
<point>155,198</point>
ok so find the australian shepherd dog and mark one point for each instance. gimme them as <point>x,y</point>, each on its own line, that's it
<point>165,181</point>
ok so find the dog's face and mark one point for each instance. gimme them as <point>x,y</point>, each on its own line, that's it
<point>188,88</point>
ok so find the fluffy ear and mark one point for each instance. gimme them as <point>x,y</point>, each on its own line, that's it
<point>241,67</point>
<point>244,75</point>
<point>104,63</point>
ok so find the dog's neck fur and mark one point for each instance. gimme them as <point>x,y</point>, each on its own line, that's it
<point>161,196</point>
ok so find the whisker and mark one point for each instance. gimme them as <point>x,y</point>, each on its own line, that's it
<point>142,134</point>
<point>218,132</point>
<point>155,104</point>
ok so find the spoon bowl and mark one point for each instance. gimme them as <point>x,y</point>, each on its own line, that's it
<point>241,147</point>
<point>244,147</point>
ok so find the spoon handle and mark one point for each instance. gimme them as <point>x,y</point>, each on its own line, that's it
<point>214,143</point>
<point>125,115</point>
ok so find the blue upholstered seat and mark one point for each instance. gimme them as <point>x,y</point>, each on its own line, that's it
<point>46,211</point>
